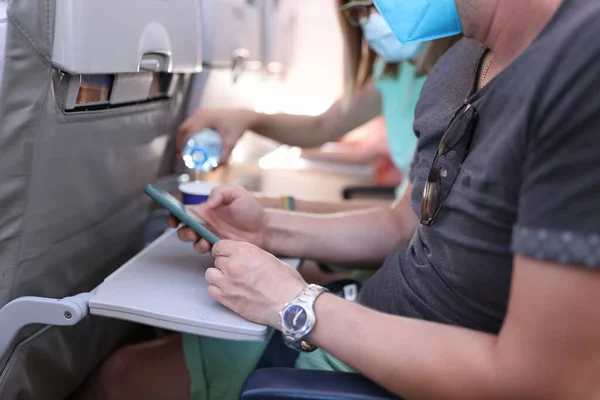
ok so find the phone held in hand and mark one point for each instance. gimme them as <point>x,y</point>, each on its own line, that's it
<point>179,211</point>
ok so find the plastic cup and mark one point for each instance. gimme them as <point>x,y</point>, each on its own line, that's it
<point>195,192</point>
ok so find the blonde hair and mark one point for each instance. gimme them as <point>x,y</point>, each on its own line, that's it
<point>359,58</point>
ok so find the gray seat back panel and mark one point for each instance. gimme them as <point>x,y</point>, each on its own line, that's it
<point>71,202</point>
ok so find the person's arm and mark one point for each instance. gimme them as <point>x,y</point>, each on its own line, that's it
<point>348,154</point>
<point>313,131</point>
<point>362,237</point>
<point>548,348</point>
<point>320,207</point>
<point>295,130</point>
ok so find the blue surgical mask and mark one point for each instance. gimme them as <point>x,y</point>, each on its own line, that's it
<point>420,20</point>
<point>383,42</point>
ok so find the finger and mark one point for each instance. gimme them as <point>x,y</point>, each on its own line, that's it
<point>202,246</point>
<point>216,293</point>
<point>214,276</point>
<point>187,234</point>
<point>223,248</point>
<point>172,222</point>
<point>221,196</point>
<point>215,199</point>
<point>185,125</point>
<point>227,148</point>
<point>197,210</point>
<point>221,263</point>
<point>185,129</point>
<point>182,135</point>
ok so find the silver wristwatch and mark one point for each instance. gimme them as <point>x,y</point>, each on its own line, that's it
<point>298,318</point>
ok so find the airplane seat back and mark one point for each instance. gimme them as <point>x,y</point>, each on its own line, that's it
<point>71,201</point>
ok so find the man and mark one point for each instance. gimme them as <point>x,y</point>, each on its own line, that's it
<point>493,290</point>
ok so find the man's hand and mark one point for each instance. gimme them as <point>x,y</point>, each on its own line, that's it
<point>233,212</point>
<point>252,282</point>
<point>231,125</point>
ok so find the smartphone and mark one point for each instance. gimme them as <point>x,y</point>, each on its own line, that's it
<point>178,210</point>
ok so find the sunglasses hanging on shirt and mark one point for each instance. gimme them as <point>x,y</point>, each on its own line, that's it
<point>449,156</point>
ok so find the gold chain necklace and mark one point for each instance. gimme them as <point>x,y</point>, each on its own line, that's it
<point>485,71</point>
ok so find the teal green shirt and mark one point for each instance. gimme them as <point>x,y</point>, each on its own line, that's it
<point>399,96</point>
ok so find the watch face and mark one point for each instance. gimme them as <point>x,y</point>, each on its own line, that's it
<point>295,318</point>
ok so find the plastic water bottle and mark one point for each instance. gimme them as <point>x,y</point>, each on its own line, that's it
<point>202,151</point>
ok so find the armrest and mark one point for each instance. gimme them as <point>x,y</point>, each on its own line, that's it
<point>29,310</point>
<point>297,384</point>
<point>376,192</point>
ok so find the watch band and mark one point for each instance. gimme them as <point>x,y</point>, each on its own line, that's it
<point>307,299</point>
<point>288,203</point>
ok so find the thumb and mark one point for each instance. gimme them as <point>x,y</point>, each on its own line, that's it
<point>226,152</point>
<point>221,196</point>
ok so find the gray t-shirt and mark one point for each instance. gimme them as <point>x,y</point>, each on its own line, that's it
<point>530,184</point>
